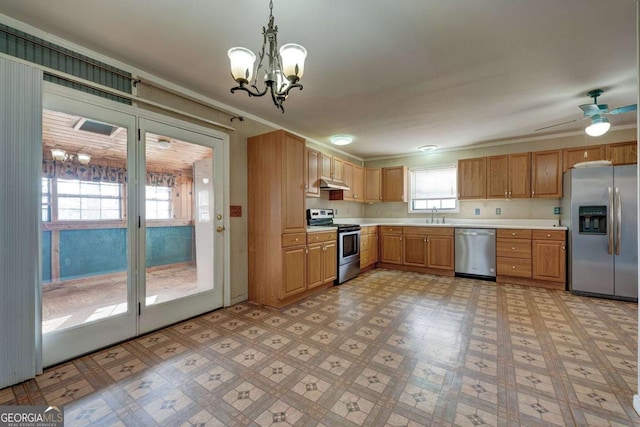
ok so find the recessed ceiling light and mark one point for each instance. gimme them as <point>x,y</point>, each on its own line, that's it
<point>341,139</point>
<point>164,143</point>
<point>428,148</point>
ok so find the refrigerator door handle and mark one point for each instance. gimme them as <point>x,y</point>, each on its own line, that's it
<point>610,227</point>
<point>618,221</point>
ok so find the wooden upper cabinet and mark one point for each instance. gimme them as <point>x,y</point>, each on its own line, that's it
<point>622,153</point>
<point>337,169</point>
<point>293,192</point>
<point>546,174</point>
<point>394,184</point>
<point>326,166</point>
<point>372,185</point>
<point>498,177</point>
<point>347,178</point>
<point>520,175</point>
<point>312,172</point>
<point>472,178</point>
<point>357,183</point>
<point>571,156</point>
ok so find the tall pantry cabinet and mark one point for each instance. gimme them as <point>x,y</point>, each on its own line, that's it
<point>277,222</point>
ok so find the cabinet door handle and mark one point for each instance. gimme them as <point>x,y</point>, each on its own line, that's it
<point>513,248</point>
<point>548,235</point>
<point>513,267</point>
<point>513,234</point>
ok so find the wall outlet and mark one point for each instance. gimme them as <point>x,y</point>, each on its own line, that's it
<point>335,212</point>
<point>498,211</point>
<point>477,211</point>
<point>557,210</point>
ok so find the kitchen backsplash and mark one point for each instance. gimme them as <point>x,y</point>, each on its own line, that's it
<point>511,209</point>
<point>345,209</point>
<point>474,209</point>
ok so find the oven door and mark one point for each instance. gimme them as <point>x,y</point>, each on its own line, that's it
<point>348,247</point>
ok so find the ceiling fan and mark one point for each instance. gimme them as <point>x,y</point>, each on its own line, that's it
<point>596,112</point>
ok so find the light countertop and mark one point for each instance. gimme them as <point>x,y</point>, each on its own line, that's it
<point>534,224</point>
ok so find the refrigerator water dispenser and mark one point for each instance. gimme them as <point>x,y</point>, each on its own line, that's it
<point>592,219</point>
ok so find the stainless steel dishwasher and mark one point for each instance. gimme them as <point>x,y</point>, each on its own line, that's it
<point>476,253</point>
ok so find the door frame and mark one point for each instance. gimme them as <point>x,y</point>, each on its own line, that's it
<point>155,316</point>
<point>56,95</point>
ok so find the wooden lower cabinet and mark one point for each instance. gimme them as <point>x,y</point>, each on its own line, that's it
<point>322,261</point>
<point>549,255</point>
<point>441,251</point>
<point>391,245</point>
<point>418,248</point>
<point>415,250</point>
<point>294,268</point>
<point>315,272</point>
<point>368,246</point>
<point>533,257</point>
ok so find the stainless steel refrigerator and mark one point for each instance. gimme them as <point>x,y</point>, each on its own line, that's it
<point>600,207</point>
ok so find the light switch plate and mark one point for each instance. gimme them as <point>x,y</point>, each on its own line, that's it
<point>477,211</point>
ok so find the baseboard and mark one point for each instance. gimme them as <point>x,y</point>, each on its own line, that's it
<point>239,299</point>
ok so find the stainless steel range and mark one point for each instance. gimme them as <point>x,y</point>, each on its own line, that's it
<point>348,242</point>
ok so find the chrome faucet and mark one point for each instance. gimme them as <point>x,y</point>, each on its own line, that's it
<point>434,210</point>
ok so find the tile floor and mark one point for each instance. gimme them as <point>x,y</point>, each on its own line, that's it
<point>386,349</point>
<point>71,303</point>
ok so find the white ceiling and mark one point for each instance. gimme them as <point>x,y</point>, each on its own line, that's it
<point>394,74</point>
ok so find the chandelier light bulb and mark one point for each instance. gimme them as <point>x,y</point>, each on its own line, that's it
<point>293,56</point>
<point>242,61</point>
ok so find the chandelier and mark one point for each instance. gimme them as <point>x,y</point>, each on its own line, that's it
<point>284,70</point>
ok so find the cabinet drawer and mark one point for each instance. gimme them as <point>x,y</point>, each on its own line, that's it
<point>513,233</point>
<point>549,235</point>
<point>385,229</point>
<point>516,267</point>
<point>514,248</point>
<point>372,230</point>
<point>440,231</point>
<point>415,231</point>
<point>319,237</point>
<point>294,239</point>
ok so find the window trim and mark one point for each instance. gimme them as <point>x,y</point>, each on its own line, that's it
<point>55,205</point>
<point>410,208</point>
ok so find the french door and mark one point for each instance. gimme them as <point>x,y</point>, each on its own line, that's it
<point>183,263</point>
<point>133,225</point>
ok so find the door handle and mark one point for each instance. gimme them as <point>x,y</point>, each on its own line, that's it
<point>220,229</point>
<point>618,221</point>
<point>610,226</point>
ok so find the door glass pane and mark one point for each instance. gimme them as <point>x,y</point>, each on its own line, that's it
<point>84,230</point>
<point>178,211</point>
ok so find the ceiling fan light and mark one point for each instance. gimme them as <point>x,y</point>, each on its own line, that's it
<point>242,61</point>
<point>341,139</point>
<point>293,56</point>
<point>599,126</point>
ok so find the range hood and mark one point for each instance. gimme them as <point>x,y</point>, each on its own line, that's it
<point>328,184</point>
